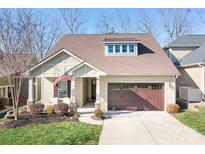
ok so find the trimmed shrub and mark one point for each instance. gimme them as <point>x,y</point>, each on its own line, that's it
<point>173,108</point>
<point>36,108</point>
<point>61,108</point>
<point>73,108</point>
<point>99,114</point>
<point>50,109</point>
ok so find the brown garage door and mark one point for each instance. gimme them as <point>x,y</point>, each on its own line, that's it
<point>133,96</point>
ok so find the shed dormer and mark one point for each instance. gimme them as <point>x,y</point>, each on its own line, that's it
<point>121,46</point>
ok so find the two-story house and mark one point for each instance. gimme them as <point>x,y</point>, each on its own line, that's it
<point>188,54</point>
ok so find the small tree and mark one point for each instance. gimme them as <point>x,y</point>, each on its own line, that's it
<point>15,50</point>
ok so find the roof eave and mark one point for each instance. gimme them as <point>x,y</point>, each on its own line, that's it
<point>180,46</point>
<point>191,64</point>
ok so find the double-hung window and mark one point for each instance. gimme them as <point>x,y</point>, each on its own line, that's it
<point>62,89</point>
<point>110,48</point>
<point>131,48</point>
<point>124,48</point>
<point>117,48</point>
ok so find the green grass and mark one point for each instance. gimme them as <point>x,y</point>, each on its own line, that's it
<point>195,120</point>
<point>61,133</point>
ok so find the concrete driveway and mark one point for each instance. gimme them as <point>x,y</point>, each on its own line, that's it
<point>146,127</point>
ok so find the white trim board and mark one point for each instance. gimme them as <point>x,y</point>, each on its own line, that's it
<point>47,59</point>
<point>93,67</point>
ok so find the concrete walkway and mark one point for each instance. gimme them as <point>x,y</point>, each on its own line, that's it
<point>86,118</point>
<point>149,127</point>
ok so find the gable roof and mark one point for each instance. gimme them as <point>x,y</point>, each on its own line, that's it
<point>89,47</point>
<point>195,57</point>
<point>187,41</point>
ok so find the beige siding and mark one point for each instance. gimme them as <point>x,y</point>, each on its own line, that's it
<point>85,90</point>
<point>85,71</point>
<point>47,91</point>
<point>191,77</point>
<point>78,92</point>
<point>38,89</point>
<point>177,53</point>
<point>1,92</point>
<point>168,80</point>
<point>89,88</point>
<point>3,81</point>
<point>81,87</point>
<point>56,66</point>
<point>24,88</point>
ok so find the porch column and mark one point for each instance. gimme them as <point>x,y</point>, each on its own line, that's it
<point>30,90</point>
<point>97,103</point>
<point>73,90</point>
<point>6,92</point>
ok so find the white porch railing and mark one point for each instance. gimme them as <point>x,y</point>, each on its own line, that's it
<point>190,94</point>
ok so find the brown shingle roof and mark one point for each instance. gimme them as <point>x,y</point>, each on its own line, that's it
<point>89,47</point>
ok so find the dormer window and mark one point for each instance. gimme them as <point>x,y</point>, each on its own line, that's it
<point>131,48</point>
<point>110,48</point>
<point>121,46</point>
<point>117,48</point>
<point>124,48</point>
<point>121,49</point>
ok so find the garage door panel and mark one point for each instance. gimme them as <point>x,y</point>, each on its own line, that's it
<point>135,96</point>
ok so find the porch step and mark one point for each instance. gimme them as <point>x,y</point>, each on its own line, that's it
<point>86,110</point>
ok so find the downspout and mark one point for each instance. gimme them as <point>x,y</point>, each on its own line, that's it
<point>203,80</point>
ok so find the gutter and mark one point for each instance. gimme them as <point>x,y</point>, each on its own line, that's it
<point>193,64</point>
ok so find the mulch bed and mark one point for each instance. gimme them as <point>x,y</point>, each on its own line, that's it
<point>30,119</point>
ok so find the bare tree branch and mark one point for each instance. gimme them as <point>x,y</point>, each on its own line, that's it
<point>104,25</point>
<point>46,34</point>
<point>123,22</point>
<point>176,22</point>
<point>146,24</point>
<point>73,20</point>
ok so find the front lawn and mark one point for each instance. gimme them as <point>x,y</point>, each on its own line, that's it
<point>53,133</point>
<point>195,120</point>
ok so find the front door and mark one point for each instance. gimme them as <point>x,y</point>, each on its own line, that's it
<point>93,89</point>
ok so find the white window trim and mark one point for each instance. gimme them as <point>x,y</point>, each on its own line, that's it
<point>63,89</point>
<point>135,53</point>
<point>127,49</point>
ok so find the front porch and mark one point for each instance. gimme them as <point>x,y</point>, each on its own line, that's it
<point>88,107</point>
<point>65,77</point>
<point>84,91</point>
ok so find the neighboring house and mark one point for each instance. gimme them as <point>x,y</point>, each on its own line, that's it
<point>5,87</point>
<point>117,71</point>
<point>188,54</point>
